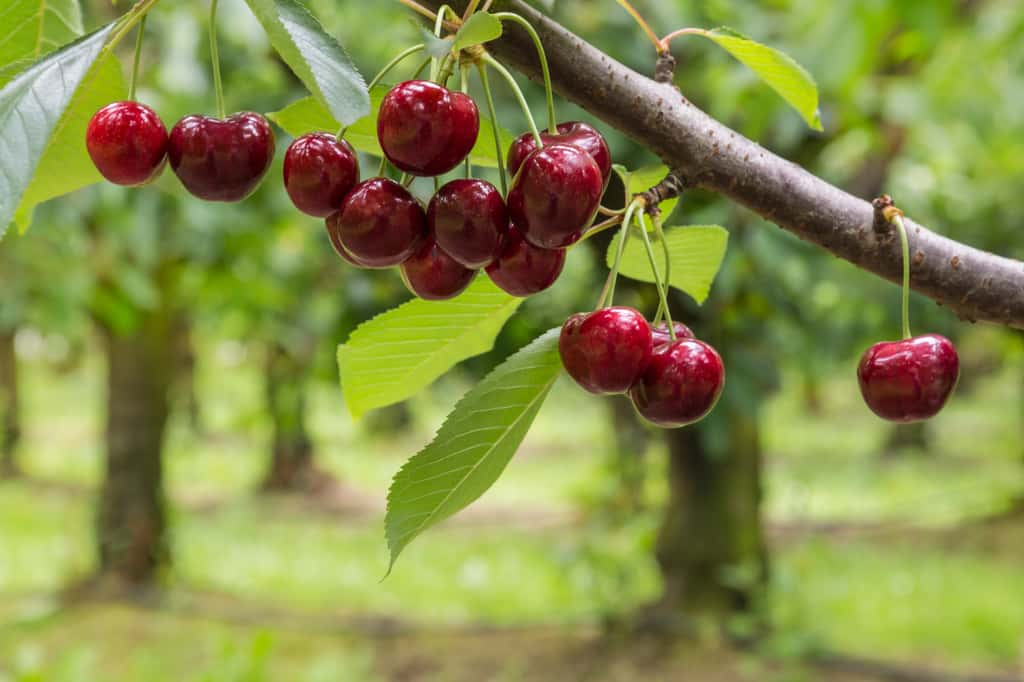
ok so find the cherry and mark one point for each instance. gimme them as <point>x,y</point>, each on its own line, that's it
<point>379,223</point>
<point>432,274</point>
<point>319,170</point>
<point>607,350</point>
<point>909,380</point>
<point>468,219</point>
<point>522,269</point>
<point>573,133</point>
<point>339,248</point>
<point>127,142</point>
<point>425,128</point>
<point>661,335</point>
<point>681,384</point>
<point>221,160</point>
<point>555,196</point>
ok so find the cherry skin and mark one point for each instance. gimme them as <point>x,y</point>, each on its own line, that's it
<point>221,160</point>
<point>432,274</point>
<point>681,384</point>
<point>909,380</point>
<point>573,133</point>
<point>339,248</point>
<point>661,335</point>
<point>607,350</point>
<point>379,223</point>
<point>468,219</point>
<point>425,128</point>
<point>127,142</point>
<point>522,269</point>
<point>319,170</point>
<point>555,196</point>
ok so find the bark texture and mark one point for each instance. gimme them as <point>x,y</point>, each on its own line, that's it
<point>10,413</point>
<point>974,284</point>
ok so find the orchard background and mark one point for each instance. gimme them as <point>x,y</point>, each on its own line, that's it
<point>790,535</point>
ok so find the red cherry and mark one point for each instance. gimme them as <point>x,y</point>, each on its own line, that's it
<point>607,350</point>
<point>468,219</point>
<point>425,128</point>
<point>379,223</point>
<point>909,380</point>
<point>681,384</point>
<point>661,335</point>
<point>221,160</point>
<point>555,196</point>
<point>127,142</point>
<point>339,248</point>
<point>522,269</point>
<point>573,133</point>
<point>319,170</point>
<point>432,274</point>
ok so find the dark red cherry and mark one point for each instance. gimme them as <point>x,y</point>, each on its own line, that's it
<point>319,170</point>
<point>339,248</point>
<point>910,380</point>
<point>468,219</point>
<point>127,142</point>
<point>425,128</point>
<point>681,384</point>
<point>555,196</point>
<point>432,274</point>
<point>380,223</point>
<point>522,269</point>
<point>661,335</point>
<point>607,350</point>
<point>221,160</point>
<point>573,133</point>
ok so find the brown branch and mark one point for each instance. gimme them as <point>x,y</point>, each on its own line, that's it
<point>976,285</point>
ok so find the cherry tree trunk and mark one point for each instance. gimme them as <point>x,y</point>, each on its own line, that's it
<point>131,524</point>
<point>291,462</point>
<point>10,414</point>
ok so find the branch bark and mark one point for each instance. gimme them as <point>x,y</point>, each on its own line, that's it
<point>974,284</point>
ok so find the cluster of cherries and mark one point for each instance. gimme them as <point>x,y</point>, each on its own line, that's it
<point>672,382</point>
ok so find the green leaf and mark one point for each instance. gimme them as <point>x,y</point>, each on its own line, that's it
<point>397,354</point>
<point>478,29</point>
<point>435,47</point>
<point>775,68</point>
<point>696,251</point>
<point>33,28</point>
<point>473,446</point>
<point>307,115</point>
<point>315,57</point>
<point>33,110</point>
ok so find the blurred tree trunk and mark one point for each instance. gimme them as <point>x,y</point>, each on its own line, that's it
<point>10,412</point>
<point>629,458</point>
<point>904,437</point>
<point>389,421</point>
<point>131,522</point>
<point>185,372</point>
<point>291,462</point>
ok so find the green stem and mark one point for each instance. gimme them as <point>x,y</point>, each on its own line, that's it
<point>135,60</point>
<point>897,220</point>
<point>127,22</point>
<point>438,27</point>
<point>658,281</point>
<point>383,168</point>
<point>399,58</point>
<point>464,87</point>
<point>542,56</point>
<point>218,87</point>
<point>419,70</point>
<point>660,233</point>
<point>494,127</point>
<point>497,66</point>
<point>609,295</point>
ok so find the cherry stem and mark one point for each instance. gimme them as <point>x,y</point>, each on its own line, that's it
<point>470,8</point>
<point>642,22</point>
<point>664,43</point>
<point>419,70</point>
<point>128,21</point>
<point>420,9</point>
<point>897,220</point>
<point>135,60</point>
<point>608,295</point>
<point>464,87</point>
<point>658,281</point>
<point>399,58</point>
<point>604,210</point>
<point>218,87</point>
<point>660,233</point>
<point>435,69</point>
<point>494,127</point>
<point>601,227</point>
<point>383,168</point>
<point>523,104</point>
<point>543,58</point>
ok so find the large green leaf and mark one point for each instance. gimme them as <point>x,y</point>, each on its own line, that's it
<point>315,57</point>
<point>777,69</point>
<point>696,252</point>
<point>398,353</point>
<point>307,115</point>
<point>34,109</point>
<point>474,444</point>
<point>33,28</point>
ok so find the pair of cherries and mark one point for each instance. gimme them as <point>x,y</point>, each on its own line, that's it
<point>216,160</point>
<point>614,350</point>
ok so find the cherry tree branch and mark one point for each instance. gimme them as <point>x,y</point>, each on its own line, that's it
<point>974,284</point>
